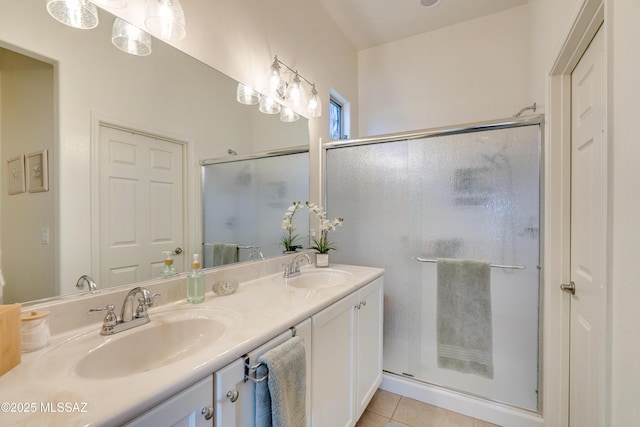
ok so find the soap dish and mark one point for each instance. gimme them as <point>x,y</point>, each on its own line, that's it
<point>225,287</point>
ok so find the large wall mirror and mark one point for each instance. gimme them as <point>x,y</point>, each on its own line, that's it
<point>71,98</point>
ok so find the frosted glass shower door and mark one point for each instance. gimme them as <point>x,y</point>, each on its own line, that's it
<point>466,196</point>
<point>244,201</point>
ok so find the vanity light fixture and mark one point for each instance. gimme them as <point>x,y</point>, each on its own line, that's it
<point>130,39</point>
<point>247,96</point>
<point>165,19</point>
<point>430,3</point>
<point>276,86</point>
<point>279,93</point>
<point>296,97</point>
<point>269,105</point>
<point>315,104</point>
<point>288,115</point>
<point>80,14</point>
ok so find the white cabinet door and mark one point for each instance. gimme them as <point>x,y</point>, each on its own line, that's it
<point>347,357</point>
<point>369,343</point>
<point>231,395</point>
<point>191,407</point>
<point>332,362</point>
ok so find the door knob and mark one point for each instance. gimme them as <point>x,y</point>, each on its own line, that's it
<point>177,251</point>
<point>571,288</point>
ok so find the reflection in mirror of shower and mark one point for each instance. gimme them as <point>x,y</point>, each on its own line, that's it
<point>465,196</point>
<point>244,202</point>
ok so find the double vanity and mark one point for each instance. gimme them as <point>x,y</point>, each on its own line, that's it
<point>186,365</point>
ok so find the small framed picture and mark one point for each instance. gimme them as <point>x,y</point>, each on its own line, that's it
<point>37,171</point>
<point>16,174</point>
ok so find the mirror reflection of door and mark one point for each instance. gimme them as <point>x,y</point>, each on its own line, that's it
<point>141,205</point>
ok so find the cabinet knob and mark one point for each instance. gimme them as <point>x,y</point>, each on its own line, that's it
<point>207,412</point>
<point>233,395</point>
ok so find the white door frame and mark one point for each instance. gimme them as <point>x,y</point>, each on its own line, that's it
<point>190,182</point>
<point>555,405</point>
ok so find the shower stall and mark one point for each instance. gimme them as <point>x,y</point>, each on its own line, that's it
<point>463,193</point>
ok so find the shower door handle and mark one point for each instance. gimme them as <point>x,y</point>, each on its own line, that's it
<point>571,287</point>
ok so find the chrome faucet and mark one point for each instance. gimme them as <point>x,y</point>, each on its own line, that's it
<point>93,286</point>
<point>292,269</point>
<point>145,301</point>
<point>111,325</point>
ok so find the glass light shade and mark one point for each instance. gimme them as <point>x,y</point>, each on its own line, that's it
<point>165,19</point>
<point>288,115</point>
<point>276,86</point>
<point>114,4</point>
<point>75,13</point>
<point>269,106</point>
<point>314,107</point>
<point>430,3</point>
<point>246,95</point>
<point>296,96</point>
<point>130,39</point>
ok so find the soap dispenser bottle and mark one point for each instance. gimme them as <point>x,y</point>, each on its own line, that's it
<point>169,269</point>
<point>195,282</point>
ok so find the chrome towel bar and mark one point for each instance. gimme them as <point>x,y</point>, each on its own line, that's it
<point>239,246</point>
<point>513,267</point>
<point>251,368</point>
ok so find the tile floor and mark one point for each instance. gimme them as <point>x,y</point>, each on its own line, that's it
<point>389,407</point>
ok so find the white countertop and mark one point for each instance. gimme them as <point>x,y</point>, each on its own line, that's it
<point>260,310</point>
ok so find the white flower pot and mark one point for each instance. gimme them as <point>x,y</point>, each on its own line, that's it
<point>322,260</point>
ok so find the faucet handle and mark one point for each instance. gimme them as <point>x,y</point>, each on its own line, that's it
<point>141,311</point>
<point>152,299</point>
<point>145,302</point>
<point>109,307</point>
<point>110,319</point>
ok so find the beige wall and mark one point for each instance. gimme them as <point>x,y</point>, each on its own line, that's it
<point>240,38</point>
<point>26,126</point>
<point>624,62</point>
<point>473,71</point>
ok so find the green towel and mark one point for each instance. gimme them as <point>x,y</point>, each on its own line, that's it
<point>280,400</point>
<point>224,253</point>
<point>463,311</point>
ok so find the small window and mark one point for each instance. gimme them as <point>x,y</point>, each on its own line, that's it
<point>336,117</point>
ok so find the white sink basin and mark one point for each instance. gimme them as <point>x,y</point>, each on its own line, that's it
<point>318,278</point>
<point>149,347</point>
<point>169,337</point>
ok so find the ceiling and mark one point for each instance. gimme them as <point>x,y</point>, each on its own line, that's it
<point>369,23</point>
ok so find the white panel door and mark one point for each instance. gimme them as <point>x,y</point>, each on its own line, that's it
<point>141,205</point>
<point>588,239</point>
